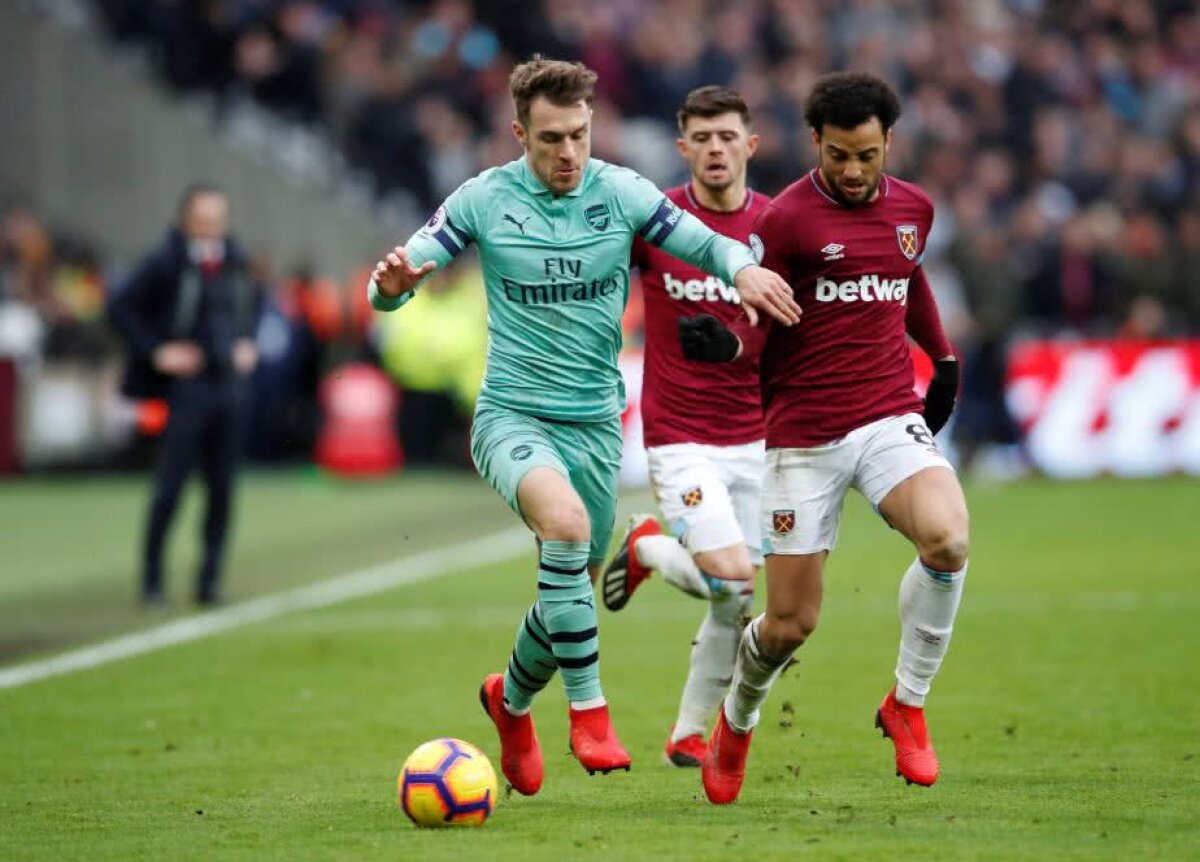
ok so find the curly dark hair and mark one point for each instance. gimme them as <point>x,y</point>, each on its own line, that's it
<point>849,99</point>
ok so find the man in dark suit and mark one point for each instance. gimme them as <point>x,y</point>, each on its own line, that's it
<point>189,313</point>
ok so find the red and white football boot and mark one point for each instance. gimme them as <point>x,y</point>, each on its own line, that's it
<point>625,573</point>
<point>686,752</point>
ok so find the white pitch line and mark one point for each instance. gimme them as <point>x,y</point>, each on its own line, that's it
<point>334,590</point>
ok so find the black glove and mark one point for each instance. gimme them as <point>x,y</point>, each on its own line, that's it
<point>939,398</point>
<point>706,339</point>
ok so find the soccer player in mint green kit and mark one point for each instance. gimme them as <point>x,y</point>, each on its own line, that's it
<point>554,230</point>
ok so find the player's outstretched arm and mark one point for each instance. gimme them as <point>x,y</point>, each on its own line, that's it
<point>760,289</point>
<point>686,237</point>
<point>395,274</point>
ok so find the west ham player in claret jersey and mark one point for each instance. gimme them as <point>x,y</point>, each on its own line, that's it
<point>841,412</point>
<point>703,424</point>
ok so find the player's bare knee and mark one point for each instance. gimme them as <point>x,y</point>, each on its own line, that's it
<point>788,633</point>
<point>946,550</point>
<point>565,522</point>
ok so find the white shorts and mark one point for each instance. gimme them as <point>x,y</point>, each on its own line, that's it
<point>709,495</point>
<point>804,489</point>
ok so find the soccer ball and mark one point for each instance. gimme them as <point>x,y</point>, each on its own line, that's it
<point>447,782</point>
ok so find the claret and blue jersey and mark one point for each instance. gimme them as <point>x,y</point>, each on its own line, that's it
<point>556,269</point>
<point>856,272</point>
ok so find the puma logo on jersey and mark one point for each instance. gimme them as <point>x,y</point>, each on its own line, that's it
<point>867,288</point>
<point>711,289</point>
<point>520,224</point>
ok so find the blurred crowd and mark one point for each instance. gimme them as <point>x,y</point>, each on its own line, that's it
<point>1059,140</point>
<point>53,289</point>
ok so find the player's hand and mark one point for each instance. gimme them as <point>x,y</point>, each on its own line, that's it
<point>943,389</point>
<point>395,274</point>
<point>706,339</point>
<point>761,289</point>
<point>179,358</point>
<point>245,355</point>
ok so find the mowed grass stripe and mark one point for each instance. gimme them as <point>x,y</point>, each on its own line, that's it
<point>341,588</point>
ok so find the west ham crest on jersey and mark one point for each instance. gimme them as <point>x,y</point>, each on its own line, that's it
<point>693,497</point>
<point>906,235</point>
<point>783,521</point>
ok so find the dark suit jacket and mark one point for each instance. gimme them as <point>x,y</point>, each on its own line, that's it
<point>161,300</point>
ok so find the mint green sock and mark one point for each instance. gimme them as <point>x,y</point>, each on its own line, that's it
<point>532,663</point>
<point>569,610</point>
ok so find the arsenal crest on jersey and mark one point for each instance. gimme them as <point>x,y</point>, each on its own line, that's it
<point>692,497</point>
<point>906,235</point>
<point>783,521</point>
<point>598,217</point>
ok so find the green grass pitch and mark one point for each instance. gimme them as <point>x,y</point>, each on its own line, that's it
<point>1066,714</point>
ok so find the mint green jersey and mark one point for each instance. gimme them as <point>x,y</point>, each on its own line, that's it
<point>556,270</point>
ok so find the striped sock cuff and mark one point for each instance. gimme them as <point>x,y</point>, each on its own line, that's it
<point>944,579</point>
<point>526,678</point>
<point>562,570</point>
<point>761,657</point>
<point>537,631</point>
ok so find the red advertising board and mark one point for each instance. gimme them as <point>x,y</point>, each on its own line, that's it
<point>1085,409</point>
<point>1120,408</point>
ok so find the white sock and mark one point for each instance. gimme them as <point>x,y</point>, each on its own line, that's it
<point>928,603</point>
<point>590,703</point>
<point>714,652</point>
<point>753,675</point>
<point>665,555</point>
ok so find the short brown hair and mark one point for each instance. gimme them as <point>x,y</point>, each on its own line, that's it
<point>563,83</point>
<point>712,101</point>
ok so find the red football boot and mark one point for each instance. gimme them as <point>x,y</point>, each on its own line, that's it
<point>905,727</point>
<point>520,754</point>
<point>594,742</point>
<point>625,573</point>
<point>688,751</point>
<point>724,766</point>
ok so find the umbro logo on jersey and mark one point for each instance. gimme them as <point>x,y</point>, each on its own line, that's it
<point>833,251</point>
<point>520,224</point>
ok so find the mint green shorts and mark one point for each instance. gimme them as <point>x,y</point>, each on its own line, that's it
<point>506,445</point>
